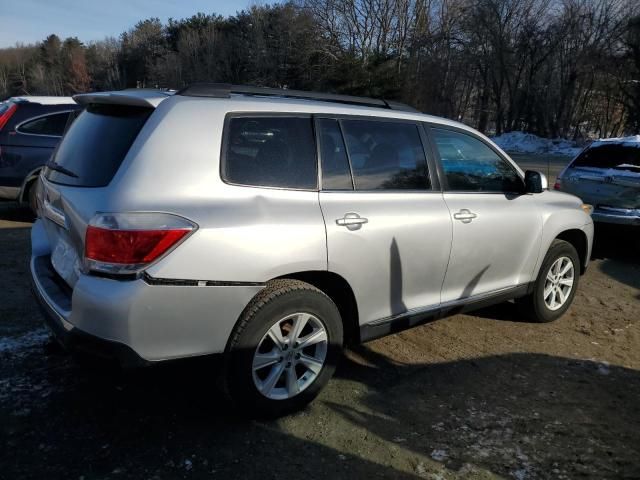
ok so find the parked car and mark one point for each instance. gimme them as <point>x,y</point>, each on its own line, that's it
<point>274,226</point>
<point>606,174</point>
<point>30,128</point>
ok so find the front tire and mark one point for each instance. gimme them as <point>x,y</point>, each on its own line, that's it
<point>284,349</point>
<point>556,284</point>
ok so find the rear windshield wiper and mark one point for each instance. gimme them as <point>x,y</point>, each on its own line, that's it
<point>59,168</point>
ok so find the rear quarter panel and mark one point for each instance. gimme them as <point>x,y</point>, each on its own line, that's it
<point>245,234</point>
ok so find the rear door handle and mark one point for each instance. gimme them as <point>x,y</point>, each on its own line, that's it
<point>352,221</point>
<point>465,215</point>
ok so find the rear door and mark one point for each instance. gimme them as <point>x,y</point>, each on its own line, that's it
<point>497,229</point>
<point>388,228</point>
<point>28,144</point>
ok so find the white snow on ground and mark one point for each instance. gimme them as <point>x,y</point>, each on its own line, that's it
<point>28,340</point>
<point>633,141</point>
<point>520,142</point>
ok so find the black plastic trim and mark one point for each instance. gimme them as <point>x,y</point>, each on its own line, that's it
<point>177,282</point>
<point>224,90</point>
<point>413,318</point>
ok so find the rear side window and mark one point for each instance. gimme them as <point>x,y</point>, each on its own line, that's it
<point>386,155</point>
<point>270,152</point>
<point>96,143</point>
<point>51,125</point>
<point>620,157</point>
<point>471,166</point>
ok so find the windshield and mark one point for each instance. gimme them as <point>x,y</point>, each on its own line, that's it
<point>621,157</point>
<point>95,145</point>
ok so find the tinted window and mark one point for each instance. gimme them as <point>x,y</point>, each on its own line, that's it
<point>471,166</point>
<point>48,125</point>
<point>610,156</point>
<point>96,143</point>
<point>386,155</point>
<point>336,174</point>
<point>270,152</point>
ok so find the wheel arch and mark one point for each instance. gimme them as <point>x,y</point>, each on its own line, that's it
<point>339,290</point>
<point>28,182</point>
<point>578,239</point>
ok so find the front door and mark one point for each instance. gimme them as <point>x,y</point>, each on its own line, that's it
<point>497,229</point>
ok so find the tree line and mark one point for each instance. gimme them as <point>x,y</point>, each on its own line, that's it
<point>556,68</point>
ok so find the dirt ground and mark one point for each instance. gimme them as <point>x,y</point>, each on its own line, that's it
<point>479,396</point>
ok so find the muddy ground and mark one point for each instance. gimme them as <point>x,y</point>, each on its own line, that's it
<point>477,396</point>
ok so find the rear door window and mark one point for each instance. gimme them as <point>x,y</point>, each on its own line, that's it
<point>270,152</point>
<point>386,155</point>
<point>51,125</point>
<point>96,143</point>
<point>336,173</point>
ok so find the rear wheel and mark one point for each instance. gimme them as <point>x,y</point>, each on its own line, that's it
<point>556,285</point>
<point>284,348</point>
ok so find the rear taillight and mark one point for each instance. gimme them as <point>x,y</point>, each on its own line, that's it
<point>7,114</point>
<point>125,243</point>
<point>557,185</point>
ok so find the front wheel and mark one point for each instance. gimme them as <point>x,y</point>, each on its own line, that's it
<point>556,285</point>
<point>284,349</point>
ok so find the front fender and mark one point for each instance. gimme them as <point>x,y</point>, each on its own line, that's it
<point>562,213</point>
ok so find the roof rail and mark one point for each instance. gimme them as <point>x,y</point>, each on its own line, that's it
<point>224,90</point>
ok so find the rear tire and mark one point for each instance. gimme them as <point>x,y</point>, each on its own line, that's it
<point>556,284</point>
<point>283,350</point>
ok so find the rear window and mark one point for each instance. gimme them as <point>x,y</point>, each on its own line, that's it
<point>620,157</point>
<point>270,152</point>
<point>95,145</point>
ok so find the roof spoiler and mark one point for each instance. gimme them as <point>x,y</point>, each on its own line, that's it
<point>132,97</point>
<point>224,90</point>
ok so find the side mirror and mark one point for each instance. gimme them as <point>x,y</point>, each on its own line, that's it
<point>534,182</point>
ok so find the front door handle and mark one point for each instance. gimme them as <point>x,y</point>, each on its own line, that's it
<point>352,221</point>
<point>465,215</point>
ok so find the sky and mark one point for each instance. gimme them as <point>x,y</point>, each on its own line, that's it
<point>30,21</point>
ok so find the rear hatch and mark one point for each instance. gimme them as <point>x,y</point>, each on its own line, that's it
<point>82,167</point>
<point>606,176</point>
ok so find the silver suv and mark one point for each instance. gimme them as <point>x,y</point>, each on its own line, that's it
<point>274,226</point>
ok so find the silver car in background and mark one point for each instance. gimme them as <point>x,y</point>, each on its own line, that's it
<point>607,175</point>
<point>275,226</point>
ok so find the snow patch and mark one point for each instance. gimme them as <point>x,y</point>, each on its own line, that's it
<point>521,142</point>
<point>632,141</point>
<point>23,342</point>
<point>439,455</point>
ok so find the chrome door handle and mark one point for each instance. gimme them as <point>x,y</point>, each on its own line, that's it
<point>352,221</point>
<point>465,215</point>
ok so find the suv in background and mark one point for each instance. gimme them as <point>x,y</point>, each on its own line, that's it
<point>606,174</point>
<point>274,226</point>
<point>30,129</point>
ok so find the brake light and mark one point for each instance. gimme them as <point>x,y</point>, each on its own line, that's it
<point>557,185</point>
<point>7,114</point>
<point>126,243</point>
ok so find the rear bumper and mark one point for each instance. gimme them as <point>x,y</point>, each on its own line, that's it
<point>135,322</point>
<point>45,288</point>
<point>622,216</point>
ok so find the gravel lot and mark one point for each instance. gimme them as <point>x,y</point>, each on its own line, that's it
<point>478,396</point>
